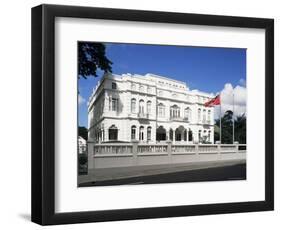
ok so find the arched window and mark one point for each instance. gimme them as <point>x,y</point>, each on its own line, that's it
<point>187,114</point>
<point>174,111</point>
<point>149,133</point>
<point>141,88</point>
<point>133,105</point>
<point>204,115</point>
<point>149,89</point>
<point>133,132</point>
<point>148,107</point>
<point>141,106</point>
<point>113,133</point>
<point>199,115</point>
<point>161,110</point>
<point>141,133</point>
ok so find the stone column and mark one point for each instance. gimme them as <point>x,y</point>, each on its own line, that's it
<point>169,150</point>
<point>137,132</point>
<point>105,134</point>
<point>167,135</point>
<point>135,152</point>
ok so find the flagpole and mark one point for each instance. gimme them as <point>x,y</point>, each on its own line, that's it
<point>233,132</point>
<point>220,122</point>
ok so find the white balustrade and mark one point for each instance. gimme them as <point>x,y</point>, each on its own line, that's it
<point>127,148</point>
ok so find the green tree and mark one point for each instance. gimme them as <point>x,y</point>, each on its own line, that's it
<point>227,128</point>
<point>83,132</point>
<point>91,56</point>
<point>240,129</point>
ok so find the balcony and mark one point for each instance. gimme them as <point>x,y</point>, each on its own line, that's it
<point>206,122</point>
<point>176,119</point>
<point>143,115</point>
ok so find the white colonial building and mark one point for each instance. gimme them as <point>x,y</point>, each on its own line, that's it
<point>148,109</point>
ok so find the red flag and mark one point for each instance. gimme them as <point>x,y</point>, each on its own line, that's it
<point>214,101</point>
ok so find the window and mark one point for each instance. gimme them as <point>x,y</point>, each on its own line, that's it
<point>141,134</point>
<point>209,116</point>
<point>113,104</point>
<point>113,85</point>
<point>187,114</point>
<point>199,115</point>
<point>113,133</point>
<point>133,132</point>
<point>149,89</point>
<point>149,133</point>
<point>175,111</point>
<point>141,107</point>
<point>141,88</point>
<point>133,105</point>
<point>160,93</point>
<point>161,110</point>
<point>148,107</point>
<point>204,115</point>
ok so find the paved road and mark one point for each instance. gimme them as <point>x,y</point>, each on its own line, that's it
<point>233,172</point>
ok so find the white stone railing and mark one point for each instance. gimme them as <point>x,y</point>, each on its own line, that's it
<point>183,148</point>
<point>130,148</point>
<point>152,148</point>
<point>107,155</point>
<point>208,148</point>
<point>110,148</point>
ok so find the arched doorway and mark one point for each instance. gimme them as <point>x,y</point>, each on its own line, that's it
<point>179,133</point>
<point>160,133</point>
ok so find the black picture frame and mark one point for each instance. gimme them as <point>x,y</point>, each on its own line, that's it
<point>43,114</point>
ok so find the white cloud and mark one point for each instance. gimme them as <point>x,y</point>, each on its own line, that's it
<point>242,82</point>
<point>232,97</point>
<point>81,100</point>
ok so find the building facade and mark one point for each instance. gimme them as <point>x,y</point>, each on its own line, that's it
<point>148,109</point>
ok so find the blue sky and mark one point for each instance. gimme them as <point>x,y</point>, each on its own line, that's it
<point>203,68</point>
